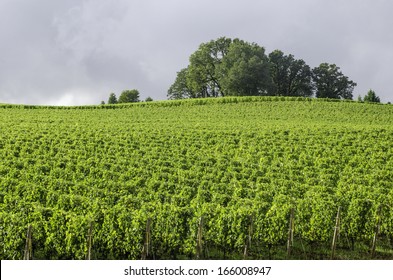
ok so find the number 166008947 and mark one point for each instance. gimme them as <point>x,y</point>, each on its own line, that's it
<point>264,270</point>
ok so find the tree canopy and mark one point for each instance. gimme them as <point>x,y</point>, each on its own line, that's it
<point>223,67</point>
<point>203,77</point>
<point>291,77</point>
<point>112,98</point>
<point>128,96</point>
<point>180,88</point>
<point>331,83</point>
<point>371,97</point>
<point>244,70</point>
<point>226,67</point>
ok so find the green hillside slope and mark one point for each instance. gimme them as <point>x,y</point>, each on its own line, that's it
<point>213,178</point>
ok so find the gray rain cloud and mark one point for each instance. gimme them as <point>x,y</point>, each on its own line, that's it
<point>77,52</point>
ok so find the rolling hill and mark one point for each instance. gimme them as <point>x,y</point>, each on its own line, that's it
<point>240,177</point>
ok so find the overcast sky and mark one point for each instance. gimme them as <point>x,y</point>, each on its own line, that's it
<point>74,52</point>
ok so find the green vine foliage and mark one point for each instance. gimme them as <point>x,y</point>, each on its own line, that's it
<point>226,172</point>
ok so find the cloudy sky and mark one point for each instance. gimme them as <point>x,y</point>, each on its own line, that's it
<point>74,52</point>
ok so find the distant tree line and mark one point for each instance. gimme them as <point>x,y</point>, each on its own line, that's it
<point>126,96</point>
<point>226,67</point>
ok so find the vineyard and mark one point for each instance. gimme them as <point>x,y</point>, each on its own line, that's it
<point>227,178</point>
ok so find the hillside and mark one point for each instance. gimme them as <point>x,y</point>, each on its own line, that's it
<point>204,178</point>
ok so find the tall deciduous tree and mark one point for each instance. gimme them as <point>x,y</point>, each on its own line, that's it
<point>244,70</point>
<point>291,77</point>
<point>223,67</point>
<point>128,96</point>
<point>331,83</point>
<point>180,88</point>
<point>202,76</point>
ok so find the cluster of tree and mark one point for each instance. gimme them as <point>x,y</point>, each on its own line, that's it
<point>226,67</point>
<point>370,97</point>
<point>127,96</point>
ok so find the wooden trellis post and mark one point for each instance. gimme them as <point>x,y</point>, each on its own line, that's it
<point>28,255</point>
<point>336,233</point>
<point>290,231</point>
<point>376,233</point>
<point>247,245</point>
<point>146,244</point>
<point>89,241</point>
<point>200,239</point>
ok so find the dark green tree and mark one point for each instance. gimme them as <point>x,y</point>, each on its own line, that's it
<point>180,88</point>
<point>291,77</point>
<point>202,76</point>
<point>223,67</point>
<point>148,99</point>
<point>371,97</point>
<point>330,82</point>
<point>244,70</point>
<point>112,98</point>
<point>128,96</point>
